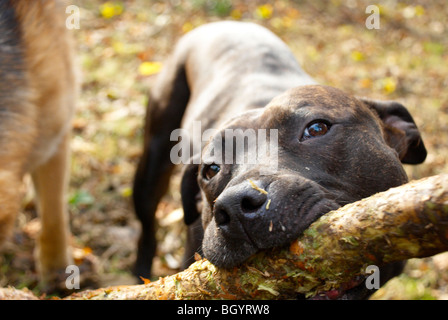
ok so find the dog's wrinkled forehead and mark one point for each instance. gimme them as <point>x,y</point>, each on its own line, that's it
<point>302,104</point>
<point>314,94</point>
<point>303,101</point>
<point>328,99</point>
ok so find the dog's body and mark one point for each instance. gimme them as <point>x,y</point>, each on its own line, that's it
<point>333,148</point>
<point>37,95</point>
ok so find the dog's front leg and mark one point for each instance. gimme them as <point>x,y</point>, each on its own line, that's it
<point>50,180</point>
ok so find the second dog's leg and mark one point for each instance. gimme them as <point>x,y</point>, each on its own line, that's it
<point>50,180</point>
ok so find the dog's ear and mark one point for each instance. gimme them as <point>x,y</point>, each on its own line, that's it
<point>400,129</point>
<point>190,193</point>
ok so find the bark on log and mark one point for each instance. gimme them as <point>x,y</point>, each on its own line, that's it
<point>410,221</point>
<point>16,294</point>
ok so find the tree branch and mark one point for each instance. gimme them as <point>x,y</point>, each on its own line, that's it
<point>410,221</point>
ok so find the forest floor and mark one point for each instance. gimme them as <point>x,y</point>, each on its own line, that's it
<point>123,44</point>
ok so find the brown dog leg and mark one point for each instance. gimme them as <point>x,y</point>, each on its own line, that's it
<point>50,180</point>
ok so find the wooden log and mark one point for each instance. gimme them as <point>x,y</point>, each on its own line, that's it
<point>410,221</point>
<point>11,293</point>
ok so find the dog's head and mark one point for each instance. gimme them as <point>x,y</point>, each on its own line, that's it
<point>333,149</point>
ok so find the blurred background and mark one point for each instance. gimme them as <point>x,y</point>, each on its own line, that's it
<point>122,46</point>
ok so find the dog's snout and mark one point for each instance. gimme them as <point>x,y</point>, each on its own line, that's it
<point>235,204</point>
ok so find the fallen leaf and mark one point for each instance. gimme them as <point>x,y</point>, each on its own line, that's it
<point>149,68</point>
<point>187,26</point>
<point>357,56</point>
<point>389,85</point>
<point>109,10</point>
<point>236,14</point>
<point>145,281</point>
<point>264,11</point>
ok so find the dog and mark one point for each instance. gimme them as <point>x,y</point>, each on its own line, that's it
<point>333,148</point>
<point>37,97</point>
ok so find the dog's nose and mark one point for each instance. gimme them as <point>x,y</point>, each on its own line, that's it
<point>237,203</point>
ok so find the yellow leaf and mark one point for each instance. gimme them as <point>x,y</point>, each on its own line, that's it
<point>264,11</point>
<point>419,10</point>
<point>149,68</point>
<point>109,10</point>
<point>236,14</point>
<point>126,192</point>
<point>357,56</point>
<point>389,85</point>
<point>187,26</point>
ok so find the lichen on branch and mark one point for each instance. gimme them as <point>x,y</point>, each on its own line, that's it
<point>409,221</point>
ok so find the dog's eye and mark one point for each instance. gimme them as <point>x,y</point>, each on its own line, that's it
<point>315,129</point>
<point>211,170</point>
